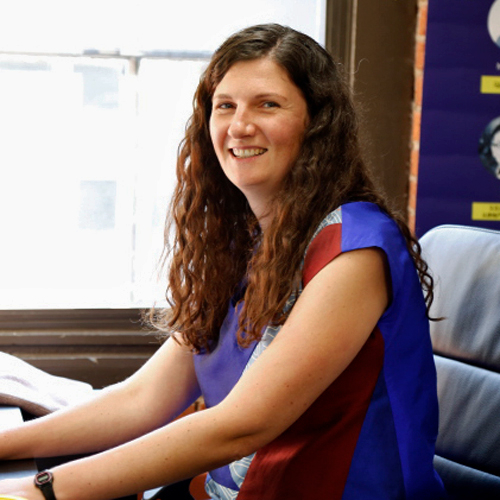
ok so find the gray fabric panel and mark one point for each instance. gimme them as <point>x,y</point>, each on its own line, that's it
<point>465,263</point>
<point>469,415</point>
<point>464,483</point>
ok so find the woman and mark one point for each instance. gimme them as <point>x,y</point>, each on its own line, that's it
<point>296,307</point>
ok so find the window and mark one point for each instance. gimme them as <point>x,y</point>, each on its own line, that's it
<point>95,96</point>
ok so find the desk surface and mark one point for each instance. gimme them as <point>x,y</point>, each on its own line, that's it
<point>10,417</point>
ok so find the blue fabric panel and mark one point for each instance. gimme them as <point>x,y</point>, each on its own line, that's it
<point>375,471</point>
<point>219,371</point>
<point>411,385</point>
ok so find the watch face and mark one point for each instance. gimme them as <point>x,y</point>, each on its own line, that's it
<point>43,478</point>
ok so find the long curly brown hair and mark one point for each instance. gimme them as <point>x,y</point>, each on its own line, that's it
<point>213,240</point>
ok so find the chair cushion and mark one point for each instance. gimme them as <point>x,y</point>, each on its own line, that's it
<point>469,412</point>
<point>465,262</point>
<point>464,483</point>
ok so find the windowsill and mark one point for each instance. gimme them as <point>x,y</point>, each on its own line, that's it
<point>100,347</point>
<point>43,319</point>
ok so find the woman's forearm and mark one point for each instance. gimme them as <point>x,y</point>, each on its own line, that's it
<point>109,419</point>
<point>154,395</point>
<point>177,451</point>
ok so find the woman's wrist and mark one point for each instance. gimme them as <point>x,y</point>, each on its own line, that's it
<point>22,488</point>
<point>43,481</point>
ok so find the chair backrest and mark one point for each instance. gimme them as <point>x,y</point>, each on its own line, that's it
<point>465,263</point>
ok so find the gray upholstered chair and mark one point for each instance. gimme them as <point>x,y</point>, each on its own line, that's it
<point>465,263</point>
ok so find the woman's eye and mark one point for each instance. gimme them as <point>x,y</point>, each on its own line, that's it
<point>271,104</point>
<point>224,105</point>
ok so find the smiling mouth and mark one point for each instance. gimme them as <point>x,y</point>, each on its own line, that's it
<point>247,153</point>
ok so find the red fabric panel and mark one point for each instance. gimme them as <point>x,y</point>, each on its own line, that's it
<point>311,459</point>
<point>323,249</point>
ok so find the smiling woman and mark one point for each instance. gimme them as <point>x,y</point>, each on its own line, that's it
<point>258,120</point>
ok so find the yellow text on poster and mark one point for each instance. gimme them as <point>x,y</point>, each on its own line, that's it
<point>485,211</point>
<point>490,84</point>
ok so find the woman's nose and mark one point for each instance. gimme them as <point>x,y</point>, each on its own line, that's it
<point>241,125</point>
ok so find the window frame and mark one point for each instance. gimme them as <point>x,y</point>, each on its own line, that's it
<point>375,42</point>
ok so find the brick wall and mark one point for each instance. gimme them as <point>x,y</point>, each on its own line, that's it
<point>417,109</point>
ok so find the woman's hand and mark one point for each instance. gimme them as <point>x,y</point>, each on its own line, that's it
<point>23,488</point>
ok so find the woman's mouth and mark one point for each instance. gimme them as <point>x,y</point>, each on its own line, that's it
<point>247,153</point>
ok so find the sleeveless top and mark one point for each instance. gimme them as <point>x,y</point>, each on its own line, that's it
<point>371,433</point>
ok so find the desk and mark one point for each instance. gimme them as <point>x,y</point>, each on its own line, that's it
<point>10,469</point>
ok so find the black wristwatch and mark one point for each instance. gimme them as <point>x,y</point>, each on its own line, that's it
<point>43,481</point>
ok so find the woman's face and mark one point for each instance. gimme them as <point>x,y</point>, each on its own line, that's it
<point>257,124</point>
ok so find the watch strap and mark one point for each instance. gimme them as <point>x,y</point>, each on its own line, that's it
<point>43,481</point>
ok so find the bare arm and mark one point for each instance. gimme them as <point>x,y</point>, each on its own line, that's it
<point>328,326</point>
<point>160,390</point>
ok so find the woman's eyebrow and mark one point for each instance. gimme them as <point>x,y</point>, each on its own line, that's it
<point>264,95</point>
<point>221,96</point>
<point>268,95</point>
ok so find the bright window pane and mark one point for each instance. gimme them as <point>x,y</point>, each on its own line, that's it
<point>164,108</point>
<point>89,159</point>
<point>68,148</point>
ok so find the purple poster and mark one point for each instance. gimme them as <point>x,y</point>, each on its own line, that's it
<point>459,169</point>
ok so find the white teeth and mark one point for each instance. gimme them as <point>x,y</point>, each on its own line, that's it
<point>247,153</point>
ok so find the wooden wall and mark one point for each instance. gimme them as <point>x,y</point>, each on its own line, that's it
<point>375,39</point>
